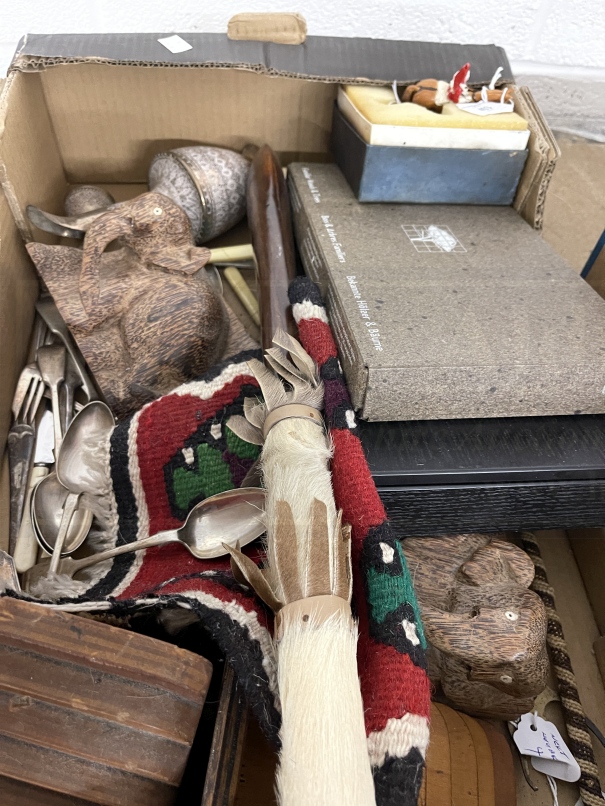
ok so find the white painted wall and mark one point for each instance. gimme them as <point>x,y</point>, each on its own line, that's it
<point>555,46</point>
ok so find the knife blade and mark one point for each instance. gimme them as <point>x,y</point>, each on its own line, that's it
<point>9,580</point>
<point>45,440</point>
<point>26,546</point>
<point>20,445</point>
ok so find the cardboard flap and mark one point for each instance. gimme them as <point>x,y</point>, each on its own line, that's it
<point>543,154</point>
<point>320,57</point>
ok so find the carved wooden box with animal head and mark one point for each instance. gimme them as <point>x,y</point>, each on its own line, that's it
<point>486,629</point>
<point>147,316</point>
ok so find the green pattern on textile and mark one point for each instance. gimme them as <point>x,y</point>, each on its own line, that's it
<point>386,593</point>
<point>211,476</point>
<point>244,450</point>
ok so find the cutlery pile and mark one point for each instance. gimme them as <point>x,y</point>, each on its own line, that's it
<point>51,389</point>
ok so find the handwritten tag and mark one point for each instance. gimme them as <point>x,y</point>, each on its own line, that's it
<point>175,44</point>
<point>539,739</point>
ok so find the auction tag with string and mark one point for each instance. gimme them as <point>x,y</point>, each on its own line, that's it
<point>539,739</point>
<point>483,108</point>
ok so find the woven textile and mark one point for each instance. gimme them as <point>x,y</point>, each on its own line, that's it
<point>178,450</point>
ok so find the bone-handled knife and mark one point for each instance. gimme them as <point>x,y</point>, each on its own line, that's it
<point>26,547</point>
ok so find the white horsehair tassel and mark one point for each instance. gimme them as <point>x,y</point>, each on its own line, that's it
<point>324,759</point>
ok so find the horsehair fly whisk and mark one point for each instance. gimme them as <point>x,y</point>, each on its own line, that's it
<point>324,758</point>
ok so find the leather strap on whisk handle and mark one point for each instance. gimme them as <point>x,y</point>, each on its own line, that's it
<point>312,611</point>
<point>288,411</point>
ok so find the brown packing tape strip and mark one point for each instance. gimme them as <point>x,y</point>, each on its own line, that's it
<point>291,410</point>
<point>313,610</point>
<point>285,28</point>
<point>463,759</point>
<point>438,771</point>
<point>485,763</point>
<point>504,765</point>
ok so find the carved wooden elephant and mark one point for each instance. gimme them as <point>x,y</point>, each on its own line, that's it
<point>486,629</point>
<point>146,316</point>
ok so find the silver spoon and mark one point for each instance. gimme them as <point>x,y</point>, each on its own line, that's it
<point>231,517</point>
<point>55,323</point>
<point>80,468</point>
<point>47,504</point>
<point>71,382</point>
<point>51,363</point>
<point>67,226</point>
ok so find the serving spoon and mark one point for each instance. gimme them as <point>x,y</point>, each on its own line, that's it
<point>47,504</point>
<point>231,517</point>
<point>80,465</point>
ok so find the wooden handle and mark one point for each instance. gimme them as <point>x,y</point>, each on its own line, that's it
<point>231,254</point>
<point>26,547</point>
<point>270,223</point>
<point>324,758</point>
<point>241,289</point>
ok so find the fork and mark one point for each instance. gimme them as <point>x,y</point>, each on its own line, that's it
<point>21,437</point>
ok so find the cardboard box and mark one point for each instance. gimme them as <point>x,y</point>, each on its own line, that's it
<point>92,108</point>
<point>381,173</point>
<point>448,311</point>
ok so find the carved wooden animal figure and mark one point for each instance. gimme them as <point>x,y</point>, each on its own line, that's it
<point>486,629</point>
<point>146,316</point>
<point>429,92</point>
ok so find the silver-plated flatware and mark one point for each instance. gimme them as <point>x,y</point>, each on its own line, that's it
<point>56,324</point>
<point>234,517</point>
<point>26,545</point>
<point>20,444</point>
<point>51,363</point>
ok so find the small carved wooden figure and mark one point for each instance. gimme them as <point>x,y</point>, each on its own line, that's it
<point>486,629</point>
<point>146,316</point>
<point>429,92</point>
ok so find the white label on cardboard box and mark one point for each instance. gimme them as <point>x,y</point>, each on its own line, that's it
<point>487,108</point>
<point>175,44</point>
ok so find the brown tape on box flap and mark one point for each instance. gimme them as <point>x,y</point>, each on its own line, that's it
<point>285,28</point>
<point>321,57</point>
